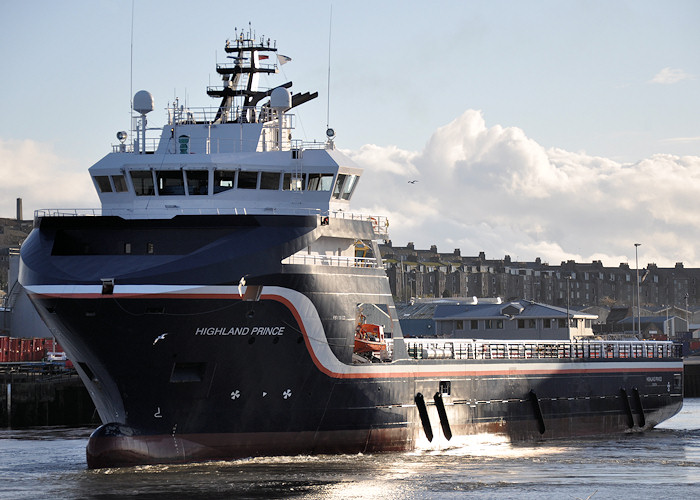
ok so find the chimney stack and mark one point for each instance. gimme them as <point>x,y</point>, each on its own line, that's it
<point>19,209</point>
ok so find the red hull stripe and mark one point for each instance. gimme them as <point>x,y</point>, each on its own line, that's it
<point>332,366</point>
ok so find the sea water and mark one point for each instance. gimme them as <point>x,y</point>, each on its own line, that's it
<point>662,463</point>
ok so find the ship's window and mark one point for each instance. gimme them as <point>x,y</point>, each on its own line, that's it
<point>349,186</point>
<point>338,186</point>
<point>119,183</point>
<point>127,247</point>
<point>247,180</point>
<point>170,182</point>
<point>143,182</point>
<point>445,387</point>
<point>103,183</point>
<point>320,182</point>
<point>223,180</point>
<point>292,182</point>
<point>269,180</point>
<point>149,248</point>
<point>197,181</point>
<point>184,142</point>
<point>344,186</point>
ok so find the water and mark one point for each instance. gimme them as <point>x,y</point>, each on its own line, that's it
<point>663,463</point>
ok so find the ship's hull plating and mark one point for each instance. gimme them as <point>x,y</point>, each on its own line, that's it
<point>182,372</point>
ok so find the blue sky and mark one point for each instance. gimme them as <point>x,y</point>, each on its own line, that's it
<point>558,129</point>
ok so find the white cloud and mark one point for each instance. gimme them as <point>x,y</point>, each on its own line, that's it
<point>494,189</point>
<point>34,172</point>
<point>668,76</point>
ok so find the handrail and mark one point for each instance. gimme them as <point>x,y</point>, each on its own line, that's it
<point>379,223</point>
<point>330,260</point>
<point>537,349</point>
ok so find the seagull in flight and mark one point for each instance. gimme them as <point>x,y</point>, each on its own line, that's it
<point>412,182</point>
<point>159,337</point>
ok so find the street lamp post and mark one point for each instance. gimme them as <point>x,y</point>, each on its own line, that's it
<point>568,321</point>
<point>639,316</point>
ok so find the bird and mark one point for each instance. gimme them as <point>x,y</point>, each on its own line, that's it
<point>412,182</point>
<point>159,337</point>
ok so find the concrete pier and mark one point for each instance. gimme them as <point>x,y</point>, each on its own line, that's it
<point>30,398</point>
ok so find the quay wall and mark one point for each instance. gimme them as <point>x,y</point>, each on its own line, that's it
<point>27,401</point>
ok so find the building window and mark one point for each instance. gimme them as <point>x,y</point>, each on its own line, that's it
<point>474,324</point>
<point>492,324</point>
<point>459,325</point>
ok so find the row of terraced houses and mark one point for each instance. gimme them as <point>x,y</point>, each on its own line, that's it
<point>415,273</point>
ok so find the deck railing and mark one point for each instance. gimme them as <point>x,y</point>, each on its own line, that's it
<point>380,224</point>
<point>529,349</point>
<point>330,260</point>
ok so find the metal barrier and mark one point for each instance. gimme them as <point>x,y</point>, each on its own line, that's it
<point>593,349</point>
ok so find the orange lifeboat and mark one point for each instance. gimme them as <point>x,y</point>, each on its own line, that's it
<point>369,338</point>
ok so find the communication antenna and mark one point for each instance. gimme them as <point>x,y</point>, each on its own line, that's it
<point>328,85</point>
<point>131,63</point>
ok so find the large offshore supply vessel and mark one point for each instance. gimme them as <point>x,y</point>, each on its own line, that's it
<point>217,305</point>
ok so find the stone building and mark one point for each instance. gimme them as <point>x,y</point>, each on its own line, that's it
<point>417,273</point>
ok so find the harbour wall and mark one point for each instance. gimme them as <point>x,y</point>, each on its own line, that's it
<point>28,400</point>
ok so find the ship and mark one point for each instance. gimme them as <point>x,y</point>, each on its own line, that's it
<point>216,306</point>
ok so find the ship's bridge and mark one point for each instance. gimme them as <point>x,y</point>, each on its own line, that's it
<point>162,185</point>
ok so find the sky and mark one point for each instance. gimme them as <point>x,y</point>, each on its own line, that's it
<point>552,129</point>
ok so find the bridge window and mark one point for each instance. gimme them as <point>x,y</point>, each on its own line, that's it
<point>292,182</point>
<point>119,183</point>
<point>143,182</point>
<point>224,180</point>
<point>197,182</point>
<point>247,180</point>
<point>103,183</point>
<point>269,180</point>
<point>344,186</point>
<point>320,182</point>
<point>170,182</point>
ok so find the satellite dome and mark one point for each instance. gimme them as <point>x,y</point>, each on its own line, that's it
<point>143,102</point>
<point>280,98</point>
